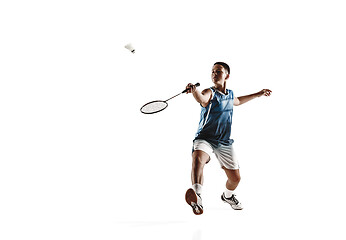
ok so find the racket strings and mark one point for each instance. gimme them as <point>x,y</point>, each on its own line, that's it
<point>153,107</point>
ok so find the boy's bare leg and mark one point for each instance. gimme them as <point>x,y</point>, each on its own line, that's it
<point>199,159</point>
<point>233,178</point>
<point>193,194</point>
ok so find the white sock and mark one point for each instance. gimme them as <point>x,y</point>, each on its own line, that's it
<point>198,188</point>
<point>228,193</point>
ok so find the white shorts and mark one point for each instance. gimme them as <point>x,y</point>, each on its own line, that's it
<point>223,153</point>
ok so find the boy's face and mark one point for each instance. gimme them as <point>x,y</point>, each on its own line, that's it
<point>219,74</point>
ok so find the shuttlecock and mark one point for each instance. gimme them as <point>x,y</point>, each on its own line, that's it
<point>130,47</point>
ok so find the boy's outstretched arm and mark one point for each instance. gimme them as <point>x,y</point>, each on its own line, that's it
<point>243,99</point>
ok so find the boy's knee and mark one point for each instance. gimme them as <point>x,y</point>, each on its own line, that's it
<point>198,162</point>
<point>235,178</point>
<point>199,158</point>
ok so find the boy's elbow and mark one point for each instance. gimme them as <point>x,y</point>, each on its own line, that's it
<point>204,104</point>
<point>204,101</point>
<point>237,102</point>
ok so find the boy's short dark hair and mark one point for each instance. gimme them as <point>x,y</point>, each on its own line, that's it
<point>225,66</point>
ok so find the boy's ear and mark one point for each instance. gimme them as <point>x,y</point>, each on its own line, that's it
<point>227,76</point>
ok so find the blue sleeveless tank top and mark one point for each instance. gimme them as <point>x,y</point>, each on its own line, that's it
<point>216,119</point>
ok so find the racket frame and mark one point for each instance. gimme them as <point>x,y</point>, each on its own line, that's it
<point>151,103</point>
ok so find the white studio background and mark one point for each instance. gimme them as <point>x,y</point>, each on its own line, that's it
<point>79,161</point>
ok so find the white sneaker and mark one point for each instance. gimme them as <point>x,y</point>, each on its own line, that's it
<point>235,204</point>
<point>194,200</point>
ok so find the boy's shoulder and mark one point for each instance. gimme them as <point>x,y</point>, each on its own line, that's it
<point>207,90</point>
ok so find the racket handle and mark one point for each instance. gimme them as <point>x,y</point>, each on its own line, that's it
<point>197,85</point>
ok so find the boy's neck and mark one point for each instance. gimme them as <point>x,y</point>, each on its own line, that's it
<point>221,88</point>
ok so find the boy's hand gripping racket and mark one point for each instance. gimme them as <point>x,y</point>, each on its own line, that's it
<point>159,105</point>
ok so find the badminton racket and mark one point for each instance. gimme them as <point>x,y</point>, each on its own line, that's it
<point>159,105</point>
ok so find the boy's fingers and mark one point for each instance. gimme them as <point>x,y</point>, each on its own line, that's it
<point>190,88</point>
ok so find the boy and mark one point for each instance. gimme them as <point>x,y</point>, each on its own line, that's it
<point>213,136</point>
